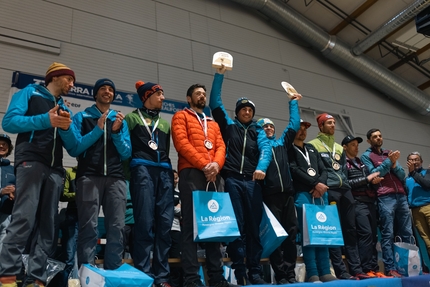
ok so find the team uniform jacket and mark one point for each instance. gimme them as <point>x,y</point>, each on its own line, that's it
<point>28,116</point>
<point>303,182</point>
<point>278,177</point>
<point>392,182</point>
<point>336,178</point>
<point>188,137</point>
<point>248,148</point>
<point>141,153</point>
<point>418,185</point>
<point>100,152</point>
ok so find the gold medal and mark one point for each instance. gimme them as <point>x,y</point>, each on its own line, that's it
<point>337,157</point>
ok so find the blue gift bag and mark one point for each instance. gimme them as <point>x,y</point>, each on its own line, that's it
<point>272,234</point>
<point>124,276</point>
<point>213,217</point>
<point>407,258</point>
<point>321,226</point>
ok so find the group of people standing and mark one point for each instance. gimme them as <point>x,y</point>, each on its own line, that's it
<point>241,156</point>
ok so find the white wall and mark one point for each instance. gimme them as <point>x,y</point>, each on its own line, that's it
<point>172,42</point>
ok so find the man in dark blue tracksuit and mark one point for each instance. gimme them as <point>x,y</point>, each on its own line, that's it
<point>38,114</point>
<point>278,193</point>
<point>248,156</point>
<point>101,143</point>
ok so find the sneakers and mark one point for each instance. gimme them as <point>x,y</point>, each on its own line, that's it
<point>314,279</point>
<point>197,283</point>
<point>283,281</point>
<point>347,276</point>
<point>377,274</point>
<point>327,278</point>
<point>163,284</point>
<point>256,279</point>
<point>394,274</point>
<point>362,276</point>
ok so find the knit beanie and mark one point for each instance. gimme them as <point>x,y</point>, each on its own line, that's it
<point>145,90</point>
<point>103,82</point>
<point>322,118</point>
<point>265,121</point>
<point>244,102</point>
<point>56,70</point>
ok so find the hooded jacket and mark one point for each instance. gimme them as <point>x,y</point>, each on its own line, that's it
<point>100,152</point>
<point>336,178</point>
<point>278,176</point>
<point>28,116</point>
<point>248,148</point>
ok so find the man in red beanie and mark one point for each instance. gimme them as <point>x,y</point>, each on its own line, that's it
<point>37,113</point>
<point>339,192</point>
<point>151,184</point>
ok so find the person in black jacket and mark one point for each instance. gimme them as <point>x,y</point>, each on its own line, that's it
<point>278,193</point>
<point>310,178</point>
<point>7,185</point>
<point>360,181</point>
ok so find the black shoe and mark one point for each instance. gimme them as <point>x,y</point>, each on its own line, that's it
<point>163,284</point>
<point>197,283</point>
<point>283,281</point>
<point>221,283</point>
<point>347,276</point>
<point>257,280</point>
<point>243,280</point>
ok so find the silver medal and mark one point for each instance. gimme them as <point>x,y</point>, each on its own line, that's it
<point>311,171</point>
<point>336,166</point>
<point>208,144</point>
<point>153,145</point>
<point>337,157</point>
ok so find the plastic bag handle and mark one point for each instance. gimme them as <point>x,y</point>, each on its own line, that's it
<point>412,237</point>
<point>313,200</point>
<point>209,182</point>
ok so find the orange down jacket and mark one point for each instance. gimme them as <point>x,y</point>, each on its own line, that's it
<point>188,137</point>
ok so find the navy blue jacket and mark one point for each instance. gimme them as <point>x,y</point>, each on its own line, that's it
<point>7,177</point>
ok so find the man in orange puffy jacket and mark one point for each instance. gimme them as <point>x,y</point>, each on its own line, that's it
<point>201,152</point>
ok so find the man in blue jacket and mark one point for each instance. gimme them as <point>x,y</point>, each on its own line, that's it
<point>38,114</point>
<point>278,193</point>
<point>101,143</point>
<point>247,159</point>
<point>418,186</point>
<point>7,185</point>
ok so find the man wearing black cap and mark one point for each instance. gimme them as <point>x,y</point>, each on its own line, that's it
<point>39,116</point>
<point>7,185</point>
<point>247,159</point>
<point>361,182</point>
<point>101,143</point>
<point>151,184</point>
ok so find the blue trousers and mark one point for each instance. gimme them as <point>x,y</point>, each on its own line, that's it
<point>317,259</point>
<point>394,216</point>
<point>247,200</point>
<point>151,190</point>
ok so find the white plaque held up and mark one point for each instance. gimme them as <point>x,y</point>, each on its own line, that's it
<point>222,58</point>
<point>289,89</point>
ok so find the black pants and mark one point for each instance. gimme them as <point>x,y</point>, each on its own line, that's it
<point>283,259</point>
<point>192,179</point>
<point>367,237</point>
<point>346,208</point>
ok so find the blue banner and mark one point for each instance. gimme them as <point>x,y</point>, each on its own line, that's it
<point>85,92</point>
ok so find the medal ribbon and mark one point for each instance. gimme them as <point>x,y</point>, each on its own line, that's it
<point>307,158</point>
<point>204,125</point>
<point>328,149</point>
<point>146,125</point>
